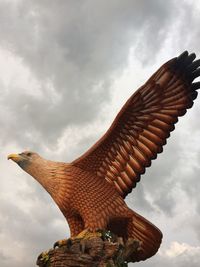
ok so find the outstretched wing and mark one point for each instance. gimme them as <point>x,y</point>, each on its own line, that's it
<point>141,128</point>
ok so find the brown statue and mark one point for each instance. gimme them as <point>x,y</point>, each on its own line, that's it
<point>90,191</point>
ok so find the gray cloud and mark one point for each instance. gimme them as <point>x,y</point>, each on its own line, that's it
<point>183,260</point>
<point>4,259</point>
<point>74,56</point>
<point>27,229</point>
<point>177,254</point>
<point>73,52</point>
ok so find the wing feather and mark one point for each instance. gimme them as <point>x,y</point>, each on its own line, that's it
<point>143,125</point>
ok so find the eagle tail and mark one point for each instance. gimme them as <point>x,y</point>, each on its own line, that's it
<point>148,234</point>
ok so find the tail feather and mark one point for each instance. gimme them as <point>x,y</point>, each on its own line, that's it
<point>149,235</point>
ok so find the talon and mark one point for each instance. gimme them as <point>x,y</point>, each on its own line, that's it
<point>44,256</point>
<point>40,256</point>
<point>56,244</point>
<point>60,243</point>
<point>86,234</point>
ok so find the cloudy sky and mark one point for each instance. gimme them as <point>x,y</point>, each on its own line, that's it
<point>66,68</point>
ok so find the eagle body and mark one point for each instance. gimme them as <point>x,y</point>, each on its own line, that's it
<point>93,207</point>
<point>91,203</point>
<point>90,191</point>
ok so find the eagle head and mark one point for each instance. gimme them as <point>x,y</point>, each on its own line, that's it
<point>24,159</point>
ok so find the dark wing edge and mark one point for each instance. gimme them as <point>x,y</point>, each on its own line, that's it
<point>143,125</point>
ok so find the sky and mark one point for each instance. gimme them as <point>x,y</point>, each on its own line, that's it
<point>67,67</point>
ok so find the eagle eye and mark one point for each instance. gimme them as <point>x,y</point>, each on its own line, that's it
<point>29,154</point>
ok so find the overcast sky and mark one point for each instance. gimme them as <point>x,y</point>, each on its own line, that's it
<point>66,68</point>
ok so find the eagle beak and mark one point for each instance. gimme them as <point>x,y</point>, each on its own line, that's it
<point>15,157</point>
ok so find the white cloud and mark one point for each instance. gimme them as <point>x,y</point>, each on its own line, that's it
<point>65,71</point>
<point>176,249</point>
<point>177,254</point>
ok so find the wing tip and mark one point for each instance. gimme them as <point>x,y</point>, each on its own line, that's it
<point>185,59</point>
<point>183,56</point>
<point>187,65</point>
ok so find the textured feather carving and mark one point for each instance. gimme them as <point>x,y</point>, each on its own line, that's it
<point>90,190</point>
<point>144,123</point>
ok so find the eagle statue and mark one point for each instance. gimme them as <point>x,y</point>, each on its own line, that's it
<point>90,191</point>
